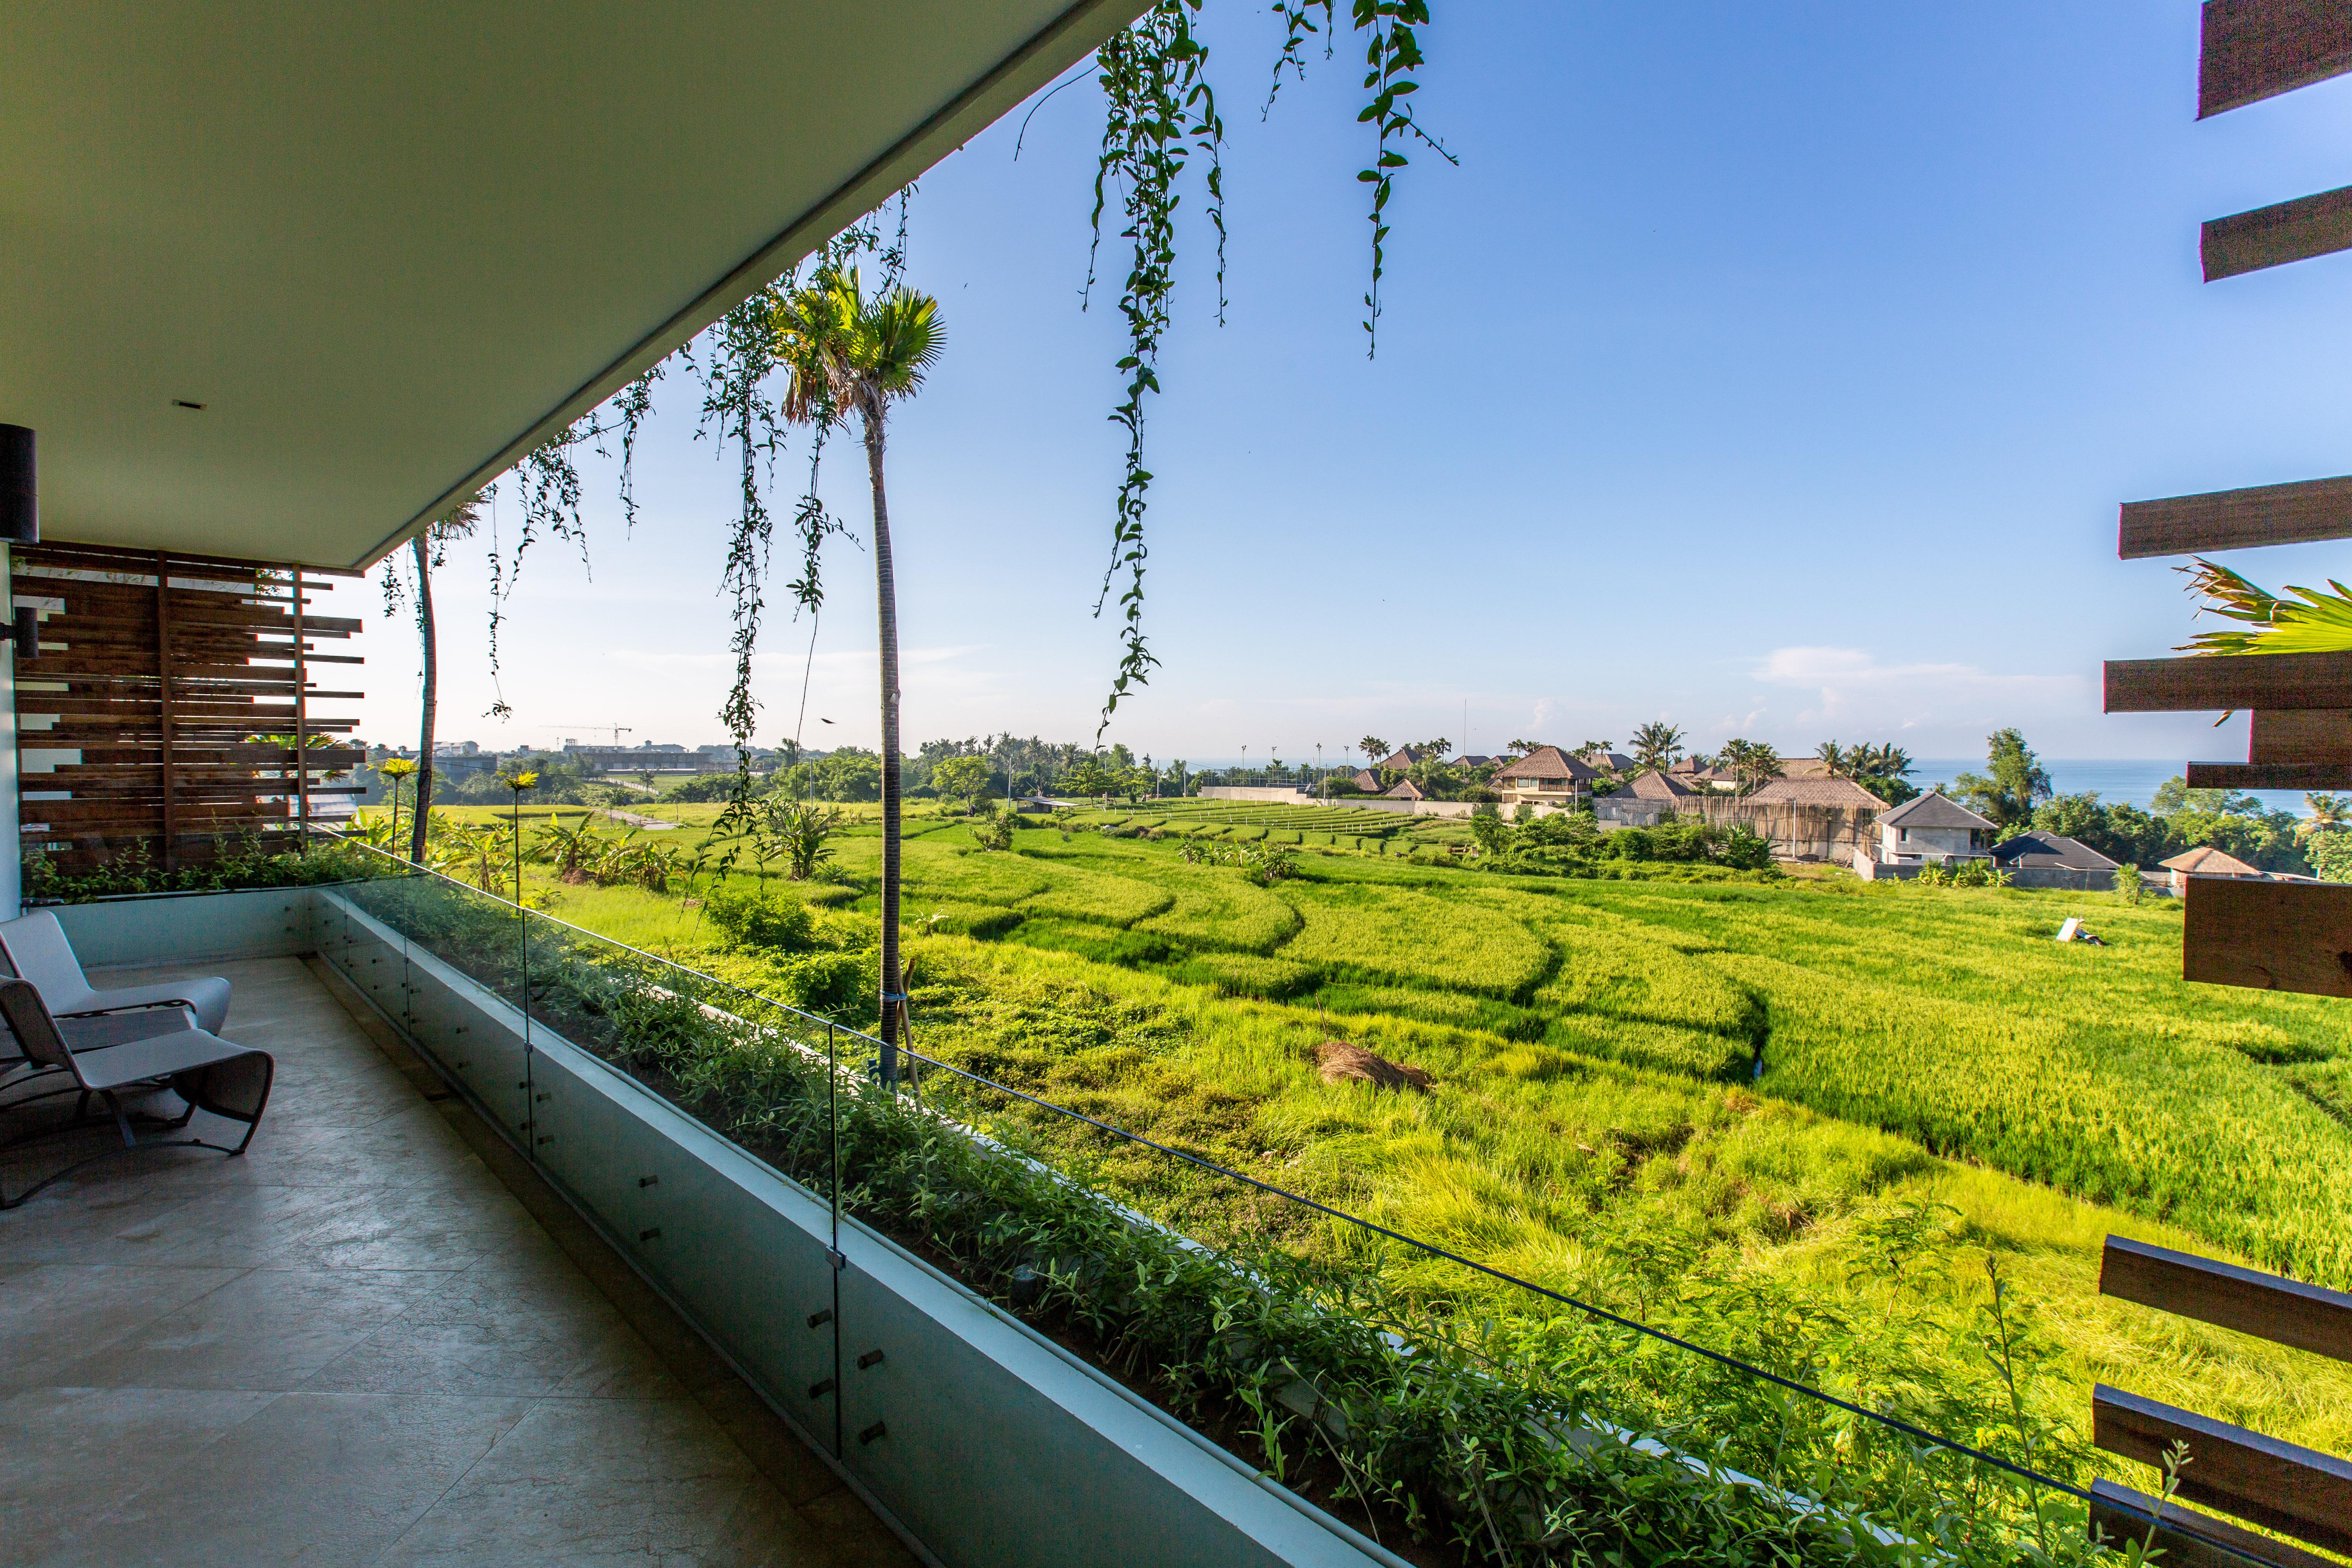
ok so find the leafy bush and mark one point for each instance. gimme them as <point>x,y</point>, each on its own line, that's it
<point>762,919</point>
<point>238,863</point>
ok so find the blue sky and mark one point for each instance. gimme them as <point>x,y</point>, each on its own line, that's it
<point>1772,370</point>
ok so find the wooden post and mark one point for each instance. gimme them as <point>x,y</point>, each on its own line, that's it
<point>164,703</point>
<point>301,722</point>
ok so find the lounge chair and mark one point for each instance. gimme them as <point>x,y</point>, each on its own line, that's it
<point>212,1075</point>
<point>37,949</point>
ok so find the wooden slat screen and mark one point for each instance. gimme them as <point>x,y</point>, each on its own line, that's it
<point>2330,776</point>
<point>154,669</point>
<point>2255,682</point>
<point>2295,1490</point>
<point>2299,734</point>
<point>2269,936</point>
<point>2299,513</point>
<point>2255,49</point>
<point>2268,1306</point>
<point>2277,234</point>
<point>2189,1539</point>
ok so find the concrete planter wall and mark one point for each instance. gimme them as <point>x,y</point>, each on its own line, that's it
<point>190,928</point>
<point>985,1442</point>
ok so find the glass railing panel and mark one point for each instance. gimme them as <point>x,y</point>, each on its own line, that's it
<point>1389,1377</point>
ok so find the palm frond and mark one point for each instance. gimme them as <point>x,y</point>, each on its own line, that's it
<point>2309,621</point>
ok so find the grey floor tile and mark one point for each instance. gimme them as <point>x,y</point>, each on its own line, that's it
<point>356,1344</point>
<point>72,1453</point>
<point>268,1329</point>
<point>323,1479</point>
<point>598,1482</point>
<point>57,1314</point>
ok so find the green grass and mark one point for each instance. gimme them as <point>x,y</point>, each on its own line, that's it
<point>1595,1125</point>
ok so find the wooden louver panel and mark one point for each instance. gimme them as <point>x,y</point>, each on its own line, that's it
<point>2255,49</point>
<point>2298,1491</point>
<point>2271,936</point>
<point>154,669</point>
<point>2268,1306</point>
<point>2298,513</point>
<point>2255,682</point>
<point>2307,776</point>
<point>2189,1539</point>
<point>2274,235</point>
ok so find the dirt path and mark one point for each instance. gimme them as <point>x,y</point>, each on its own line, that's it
<point>650,824</point>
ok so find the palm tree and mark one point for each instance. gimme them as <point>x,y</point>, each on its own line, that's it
<point>1657,746</point>
<point>2328,812</point>
<point>850,355</point>
<point>1751,762</point>
<point>430,548</point>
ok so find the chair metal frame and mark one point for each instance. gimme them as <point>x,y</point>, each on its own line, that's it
<point>154,1061</point>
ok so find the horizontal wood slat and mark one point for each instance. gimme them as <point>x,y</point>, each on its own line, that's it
<point>2282,1486</point>
<point>2269,936</point>
<point>159,757</point>
<point>2300,735</point>
<point>2255,49</point>
<point>2274,235</point>
<point>2255,681</point>
<point>2189,1539</point>
<point>2299,513</point>
<point>2327,776</point>
<point>2268,1306</point>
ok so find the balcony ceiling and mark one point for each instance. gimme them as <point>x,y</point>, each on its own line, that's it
<point>389,247</point>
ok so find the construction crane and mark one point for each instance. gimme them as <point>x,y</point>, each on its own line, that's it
<point>618,730</point>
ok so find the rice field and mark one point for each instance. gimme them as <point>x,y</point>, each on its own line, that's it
<point>1750,1078</point>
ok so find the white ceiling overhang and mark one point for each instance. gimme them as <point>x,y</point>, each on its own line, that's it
<point>392,247</point>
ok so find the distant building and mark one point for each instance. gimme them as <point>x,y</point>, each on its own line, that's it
<point>1405,790</point>
<point>1601,762</point>
<point>656,757</point>
<point>1820,791</point>
<point>2039,851</point>
<point>1934,828</point>
<point>1545,776</point>
<point>1643,801</point>
<point>1691,772</point>
<point>2206,861</point>
<point>1366,781</point>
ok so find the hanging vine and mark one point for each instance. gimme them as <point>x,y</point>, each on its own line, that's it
<point>1160,112</point>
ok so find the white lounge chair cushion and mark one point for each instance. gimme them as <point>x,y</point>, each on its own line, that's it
<point>37,950</point>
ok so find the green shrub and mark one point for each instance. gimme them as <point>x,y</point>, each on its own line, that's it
<point>756,918</point>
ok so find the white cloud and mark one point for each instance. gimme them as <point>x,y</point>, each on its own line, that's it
<point>1852,686</point>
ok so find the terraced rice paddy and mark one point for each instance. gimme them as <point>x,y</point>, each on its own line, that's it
<point>1659,1093</point>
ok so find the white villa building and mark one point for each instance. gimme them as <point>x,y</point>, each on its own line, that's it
<point>1934,828</point>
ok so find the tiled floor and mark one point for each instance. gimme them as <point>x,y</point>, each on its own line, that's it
<point>375,1338</point>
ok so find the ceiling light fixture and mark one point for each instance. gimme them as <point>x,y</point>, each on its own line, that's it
<point>183,403</point>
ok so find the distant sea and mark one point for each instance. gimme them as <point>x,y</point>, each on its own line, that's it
<point>2126,782</point>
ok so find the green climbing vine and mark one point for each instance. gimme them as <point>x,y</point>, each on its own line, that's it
<point>1162,115</point>
<point>1161,112</point>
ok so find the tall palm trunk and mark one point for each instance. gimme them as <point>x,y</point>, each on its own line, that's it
<point>886,597</point>
<point>424,632</point>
